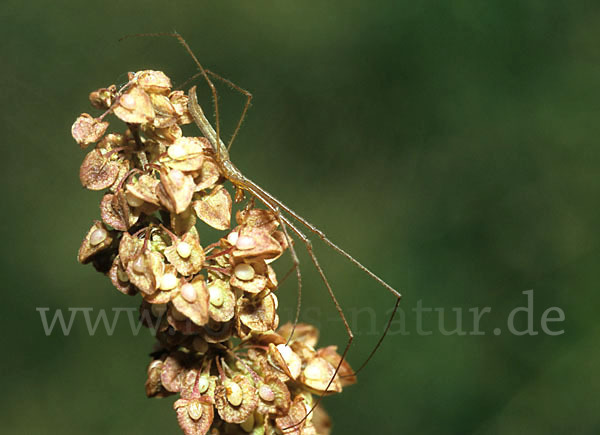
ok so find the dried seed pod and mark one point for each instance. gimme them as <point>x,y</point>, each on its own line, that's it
<point>235,399</point>
<point>345,372</point>
<point>115,211</point>
<point>217,332</point>
<point>255,243</point>
<point>118,277</point>
<point>154,387</point>
<point>129,247</point>
<point>192,301</point>
<point>175,190</point>
<point>145,271</point>
<point>207,176</point>
<point>246,277</point>
<point>163,110</point>
<point>258,314</point>
<point>214,208</point>
<point>221,307</point>
<point>98,239</point>
<point>87,129</point>
<point>186,154</point>
<point>258,218</point>
<point>273,397</point>
<point>285,359</point>
<point>291,421</point>
<point>183,222</point>
<point>134,107</point>
<point>194,416</point>
<point>180,102</point>
<point>303,333</point>
<point>173,369</point>
<point>317,376</point>
<point>97,172</point>
<point>191,263</point>
<point>151,81</point>
<point>144,188</point>
<point>103,98</point>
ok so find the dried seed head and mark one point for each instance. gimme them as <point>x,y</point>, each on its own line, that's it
<point>153,81</point>
<point>222,301</point>
<point>97,240</point>
<point>134,107</point>
<point>236,399</point>
<point>97,172</point>
<point>214,208</point>
<point>192,301</point>
<point>87,130</point>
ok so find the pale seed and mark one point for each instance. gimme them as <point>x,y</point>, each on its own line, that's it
<point>244,272</point>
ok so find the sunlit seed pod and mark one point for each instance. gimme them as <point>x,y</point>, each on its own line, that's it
<point>158,309</point>
<point>176,152</point>
<point>216,296</point>
<point>188,292</point>
<point>122,275</point>
<point>184,249</point>
<point>232,237</point>
<point>178,315</point>
<point>133,200</point>
<point>245,242</point>
<point>248,424</point>
<point>98,236</point>
<point>244,272</point>
<point>266,393</point>
<point>195,410</point>
<point>168,281</point>
<point>139,265</point>
<point>234,393</point>
<point>203,383</point>
<point>200,345</point>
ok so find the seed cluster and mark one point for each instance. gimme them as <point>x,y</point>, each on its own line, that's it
<point>213,306</point>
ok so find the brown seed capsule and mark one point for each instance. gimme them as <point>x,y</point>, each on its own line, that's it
<point>193,262</point>
<point>97,239</point>
<point>222,301</point>
<point>192,301</point>
<point>236,399</point>
<point>87,130</point>
<point>134,107</point>
<point>97,172</point>
<point>214,208</point>
<point>177,190</point>
<point>153,81</point>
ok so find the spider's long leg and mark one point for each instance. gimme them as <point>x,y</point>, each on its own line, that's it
<point>273,202</point>
<point>322,236</point>
<point>241,90</point>
<point>315,261</point>
<point>295,266</point>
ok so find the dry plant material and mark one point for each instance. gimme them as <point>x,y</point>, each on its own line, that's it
<point>212,303</point>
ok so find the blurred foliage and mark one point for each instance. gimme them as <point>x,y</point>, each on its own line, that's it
<point>451,146</point>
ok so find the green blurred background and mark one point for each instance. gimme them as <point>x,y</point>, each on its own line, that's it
<point>452,146</point>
